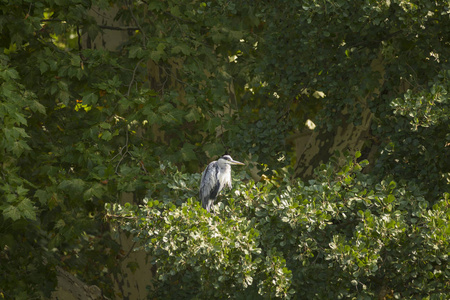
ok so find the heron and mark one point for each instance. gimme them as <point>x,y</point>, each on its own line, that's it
<point>216,176</point>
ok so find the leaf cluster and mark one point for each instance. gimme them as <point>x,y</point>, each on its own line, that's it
<point>81,126</point>
<point>341,235</point>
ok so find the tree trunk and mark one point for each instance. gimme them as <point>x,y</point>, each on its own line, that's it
<point>71,288</point>
<point>322,144</point>
<point>135,273</point>
<point>135,268</point>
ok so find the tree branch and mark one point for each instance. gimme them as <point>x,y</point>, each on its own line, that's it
<point>132,77</point>
<point>138,25</point>
<point>119,28</point>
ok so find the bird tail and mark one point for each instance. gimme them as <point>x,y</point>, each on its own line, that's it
<point>207,204</point>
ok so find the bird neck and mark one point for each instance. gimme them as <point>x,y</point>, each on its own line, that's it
<point>224,167</point>
<point>225,175</point>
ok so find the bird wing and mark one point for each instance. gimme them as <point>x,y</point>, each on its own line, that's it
<point>209,185</point>
<point>215,190</point>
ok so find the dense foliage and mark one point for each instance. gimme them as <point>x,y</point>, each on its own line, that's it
<point>343,235</point>
<point>81,125</point>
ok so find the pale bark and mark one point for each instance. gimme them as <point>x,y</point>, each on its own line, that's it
<point>322,144</point>
<point>135,270</point>
<point>71,288</point>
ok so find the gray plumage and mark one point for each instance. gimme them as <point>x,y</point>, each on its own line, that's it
<point>216,176</point>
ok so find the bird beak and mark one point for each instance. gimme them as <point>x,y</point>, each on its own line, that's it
<point>235,162</point>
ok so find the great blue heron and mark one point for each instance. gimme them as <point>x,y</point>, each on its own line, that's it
<point>216,175</point>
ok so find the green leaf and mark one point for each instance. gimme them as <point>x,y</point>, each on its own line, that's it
<point>181,48</point>
<point>18,147</point>
<point>237,35</point>
<point>27,209</point>
<point>213,149</point>
<point>105,125</point>
<point>72,186</point>
<point>136,52</point>
<point>43,67</point>
<point>37,107</point>
<point>42,195</point>
<point>390,198</point>
<point>21,191</point>
<point>90,98</point>
<point>9,74</point>
<point>212,124</point>
<point>11,212</point>
<point>106,135</point>
<point>20,119</point>
<point>192,115</point>
<point>187,152</point>
<point>96,190</point>
<point>157,54</point>
<point>60,224</point>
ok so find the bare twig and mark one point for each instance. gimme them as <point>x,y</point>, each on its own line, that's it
<point>123,153</point>
<point>130,9</point>
<point>108,27</point>
<point>179,19</point>
<point>118,28</point>
<point>163,84</point>
<point>141,164</point>
<point>29,11</point>
<point>132,77</point>
<point>52,20</point>
<point>79,38</point>
<point>108,215</point>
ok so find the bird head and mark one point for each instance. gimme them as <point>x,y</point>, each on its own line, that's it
<point>227,160</point>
